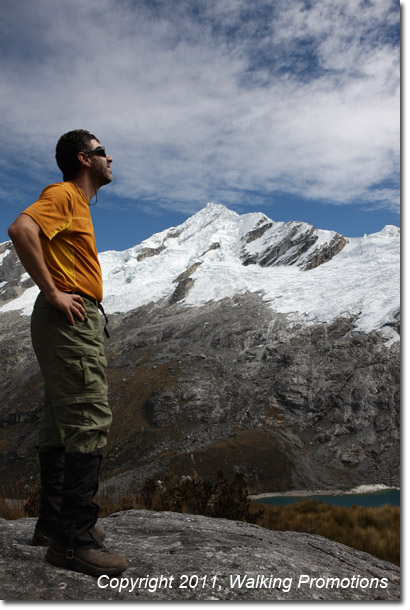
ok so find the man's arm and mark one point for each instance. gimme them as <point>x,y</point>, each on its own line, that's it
<point>25,235</point>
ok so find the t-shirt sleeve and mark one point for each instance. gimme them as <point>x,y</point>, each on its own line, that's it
<point>52,211</point>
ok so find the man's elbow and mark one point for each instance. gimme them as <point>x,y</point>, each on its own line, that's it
<point>16,231</point>
<point>13,231</point>
<point>22,228</point>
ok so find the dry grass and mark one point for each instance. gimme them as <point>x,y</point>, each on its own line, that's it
<point>374,530</point>
<point>11,508</point>
<point>190,495</point>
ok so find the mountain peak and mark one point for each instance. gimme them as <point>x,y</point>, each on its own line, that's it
<point>218,209</point>
<point>389,231</point>
<point>308,273</point>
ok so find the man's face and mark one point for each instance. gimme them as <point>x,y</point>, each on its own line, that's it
<point>100,166</point>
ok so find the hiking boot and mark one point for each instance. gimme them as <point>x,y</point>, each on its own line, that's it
<point>40,538</point>
<point>96,561</point>
<point>76,544</point>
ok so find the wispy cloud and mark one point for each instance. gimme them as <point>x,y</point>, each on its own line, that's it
<point>214,100</point>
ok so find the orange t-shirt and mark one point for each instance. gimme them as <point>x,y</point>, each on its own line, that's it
<point>68,241</point>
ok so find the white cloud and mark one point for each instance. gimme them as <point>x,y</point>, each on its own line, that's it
<point>194,109</point>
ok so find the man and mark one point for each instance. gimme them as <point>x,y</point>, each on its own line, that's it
<point>55,241</point>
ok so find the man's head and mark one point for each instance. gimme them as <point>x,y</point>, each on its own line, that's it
<point>67,149</point>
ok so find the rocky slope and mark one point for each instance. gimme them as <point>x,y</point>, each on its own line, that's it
<point>13,278</point>
<point>175,557</point>
<point>227,387</point>
<point>231,387</point>
<point>236,343</point>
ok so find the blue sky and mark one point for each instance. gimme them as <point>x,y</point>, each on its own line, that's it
<point>287,107</point>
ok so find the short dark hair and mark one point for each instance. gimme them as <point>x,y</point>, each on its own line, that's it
<point>67,149</point>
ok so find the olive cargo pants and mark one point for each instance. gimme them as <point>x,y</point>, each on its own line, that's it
<point>76,414</point>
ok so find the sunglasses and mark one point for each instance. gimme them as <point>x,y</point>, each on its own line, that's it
<point>100,151</point>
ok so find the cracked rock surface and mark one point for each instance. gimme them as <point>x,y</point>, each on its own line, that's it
<point>180,557</point>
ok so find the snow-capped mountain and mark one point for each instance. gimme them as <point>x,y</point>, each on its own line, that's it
<point>239,343</point>
<point>310,274</point>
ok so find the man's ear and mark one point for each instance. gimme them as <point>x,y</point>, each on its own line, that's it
<point>84,159</point>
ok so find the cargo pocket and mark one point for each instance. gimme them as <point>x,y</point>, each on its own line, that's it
<point>94,372</point>
<point>82,370</point>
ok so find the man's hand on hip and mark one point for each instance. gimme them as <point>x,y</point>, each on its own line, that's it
<point>71,304</point>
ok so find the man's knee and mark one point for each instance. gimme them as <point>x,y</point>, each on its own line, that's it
<point>84,426</point>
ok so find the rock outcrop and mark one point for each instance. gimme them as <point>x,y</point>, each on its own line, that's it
<point>176,557</point>
<point>291,243</point>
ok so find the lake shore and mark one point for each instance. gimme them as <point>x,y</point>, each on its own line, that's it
<point>361,489</point>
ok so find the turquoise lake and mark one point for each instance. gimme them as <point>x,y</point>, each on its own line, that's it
<point>378,498</point>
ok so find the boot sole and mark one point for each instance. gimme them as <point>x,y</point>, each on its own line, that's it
<point>77,565</point>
